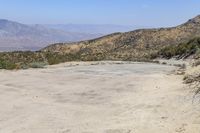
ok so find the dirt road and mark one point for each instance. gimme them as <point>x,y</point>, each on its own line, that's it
<point>97,98</point>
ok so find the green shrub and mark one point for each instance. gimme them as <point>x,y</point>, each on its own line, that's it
<point>182,50</point>
<point>7,65</point>
<point>38,64</point>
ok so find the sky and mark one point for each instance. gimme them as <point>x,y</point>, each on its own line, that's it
<point>153,13</point>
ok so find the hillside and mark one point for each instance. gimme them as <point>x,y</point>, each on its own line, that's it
<point>17,36</point>
<point>134,45</point>
<point>190,49</point>
<point>140,45</point>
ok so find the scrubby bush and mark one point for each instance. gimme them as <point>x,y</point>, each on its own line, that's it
<point>7,65</point>
<point>38,64</point>
<point>182,50</point>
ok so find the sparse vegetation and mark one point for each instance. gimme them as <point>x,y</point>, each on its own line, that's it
<point>194,81</point>
<point>28,59</point>
<point>38,64</point>
<point>25,60</point>
<point>7,65</point>
<point>182,50</point>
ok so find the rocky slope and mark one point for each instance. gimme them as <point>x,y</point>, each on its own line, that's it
<point>138,44</point>
<point>190,49</point>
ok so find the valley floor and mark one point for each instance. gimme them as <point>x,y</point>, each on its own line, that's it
<point>97,97</point>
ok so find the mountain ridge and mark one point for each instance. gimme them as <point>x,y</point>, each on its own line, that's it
<point>94,28</point>
<point>18,36</point>
<point>130,45</point>
<point>181,41</point>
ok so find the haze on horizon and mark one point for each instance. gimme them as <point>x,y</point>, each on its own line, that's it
<point>154,13</point>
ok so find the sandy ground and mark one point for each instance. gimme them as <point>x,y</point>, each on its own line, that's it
<point>97,98</point>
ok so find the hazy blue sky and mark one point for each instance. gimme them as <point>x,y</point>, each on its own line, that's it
<point>124,12</point>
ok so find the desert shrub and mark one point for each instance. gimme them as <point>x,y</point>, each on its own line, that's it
<point>164,63</point>
<point>182,50</point>
<point>38,64</point>
<point>7,65</point>
<point>52,59</point>
<point>56,58</point>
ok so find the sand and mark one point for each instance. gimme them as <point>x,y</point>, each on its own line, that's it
<point>97,97</point>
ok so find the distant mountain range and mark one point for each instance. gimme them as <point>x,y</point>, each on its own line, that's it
<point>17,36</point>
<point>94,28</point>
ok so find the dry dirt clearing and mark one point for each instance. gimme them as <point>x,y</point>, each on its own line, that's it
<point>97,97</point>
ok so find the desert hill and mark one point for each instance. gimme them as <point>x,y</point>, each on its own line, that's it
<point>132,45</point>
<point>139,45</point>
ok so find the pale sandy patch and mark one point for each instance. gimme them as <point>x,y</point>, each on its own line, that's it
<point>97,97</point>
